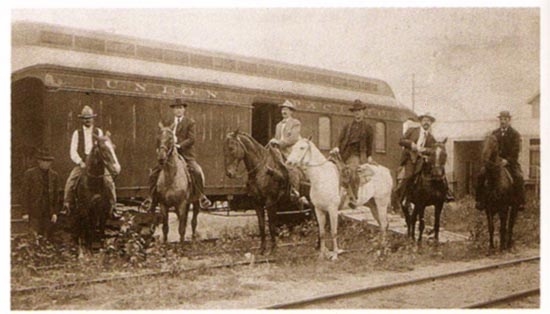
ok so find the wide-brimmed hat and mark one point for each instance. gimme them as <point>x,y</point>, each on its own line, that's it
<point>504,114</point>
<point>358,105</point>
<point>43,153</point>
<point>426,115</point>
<point>87,112</point>
<point>179,102</point>
<point>288,104</point>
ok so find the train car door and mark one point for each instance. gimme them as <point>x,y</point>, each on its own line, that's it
<point>265,117</point>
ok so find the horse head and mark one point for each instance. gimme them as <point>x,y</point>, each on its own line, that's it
<point>489,152</point>
<point>437,159</point>
<point>304,153</point>
<point>233,153</point>
<point>166,143</point>
<point>106,151</point>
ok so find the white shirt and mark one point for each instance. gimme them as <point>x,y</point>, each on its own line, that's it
<point>422,138</point>
<point>88,143</point>
<point>283,124</point>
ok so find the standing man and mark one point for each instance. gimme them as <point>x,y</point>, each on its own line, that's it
<point>82,143</point>
<point>40,194</point>
<point>185,141</point>
<point>416,141</point>
<point>509,143</point>
<point>355,144</point>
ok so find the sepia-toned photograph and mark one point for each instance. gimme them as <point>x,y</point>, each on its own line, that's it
<point>280,157</point>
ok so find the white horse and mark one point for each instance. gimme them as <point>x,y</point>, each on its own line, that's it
<point>324,191</point>
<point>376,184</point>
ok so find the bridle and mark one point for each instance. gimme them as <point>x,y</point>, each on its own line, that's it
<point>301,162</point>
<point>245,152</point>
<point>168,150</point>
<point>101,157</point>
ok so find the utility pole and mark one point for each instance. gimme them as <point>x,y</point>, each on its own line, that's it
<point>412,92</point>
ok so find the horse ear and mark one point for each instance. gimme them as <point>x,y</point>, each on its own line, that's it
<point>108,134</point>
<point>310,137</point>
<point>444,141</point>
<point>237,130</point>
<point>161,126</point>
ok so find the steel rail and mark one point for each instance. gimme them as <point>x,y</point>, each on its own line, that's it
<point>81,283</point>
<point>510,297</point>
<point>362,291</point>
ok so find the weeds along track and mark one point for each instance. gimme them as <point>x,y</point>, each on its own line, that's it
<point>340,299</point>
<point>180,270</point>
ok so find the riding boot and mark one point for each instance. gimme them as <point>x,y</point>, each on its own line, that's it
<point>204,202</point>
<point>449,196</point>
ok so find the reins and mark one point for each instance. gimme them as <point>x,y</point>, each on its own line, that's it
<point>245,150</point>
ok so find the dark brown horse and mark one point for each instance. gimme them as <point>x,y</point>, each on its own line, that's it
<point>498,194</point>
<point>92,201</point>
<point>266,181</point>
<point>174,185</point>
<point>427,189</point>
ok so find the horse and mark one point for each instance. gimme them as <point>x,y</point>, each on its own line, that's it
<point>174,186</point>
<point>324,192</point>
<point>266,181</point>
<point>92,196</point>
<point>375,191</point>
<point>498,192</point>
<point>427,189</point>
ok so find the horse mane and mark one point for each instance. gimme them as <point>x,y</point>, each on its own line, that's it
<point>490,148</point>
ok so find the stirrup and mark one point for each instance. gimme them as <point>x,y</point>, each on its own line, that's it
<point>204,202</point>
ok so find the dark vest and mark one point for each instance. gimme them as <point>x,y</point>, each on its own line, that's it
<point>80,146</point>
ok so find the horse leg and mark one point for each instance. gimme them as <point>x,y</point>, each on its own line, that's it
<point>260,213</point>
<point>421,223</point>
<point>194,219</point>
<point>321,220</point>
<point>511,223</point>
<point>437,218</point>
<point>272,222</point>
<point>164,213</point>
<point>183,212</point>
<point>503,215</point>
<point>382,204</point>
<point>412,219</point>
<point>333,216</point>
<point>491,227</point>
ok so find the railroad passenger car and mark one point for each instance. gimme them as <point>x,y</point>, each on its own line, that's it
<point>130,82</point>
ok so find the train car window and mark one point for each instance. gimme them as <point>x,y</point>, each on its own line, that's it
<point>380,137</point>
<point>324,133</point>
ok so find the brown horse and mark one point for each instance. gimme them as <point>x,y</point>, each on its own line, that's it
<point>92,201</point>
<point>174,185</point>
<point>266,181</point>
<point>498,193</point>
<point>428,189</point>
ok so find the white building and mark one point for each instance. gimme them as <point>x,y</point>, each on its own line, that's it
<point>465,138</point>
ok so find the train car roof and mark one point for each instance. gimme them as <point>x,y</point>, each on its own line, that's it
<point>39,44</point>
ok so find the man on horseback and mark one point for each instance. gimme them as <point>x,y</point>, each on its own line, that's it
<point>185,140</point>
<point>417,142</point>
<point>287,133</point>
<point>509,141</point>
<point>82,143</point>
<point>355,145</point>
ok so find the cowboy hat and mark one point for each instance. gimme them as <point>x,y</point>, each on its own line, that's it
<point>358,105</point>
<point>44,154</point>
<point>426,115</point>
<point>288,104</point>
<point>179,102</point>
<point>504,114</point>
<point>87,113</point>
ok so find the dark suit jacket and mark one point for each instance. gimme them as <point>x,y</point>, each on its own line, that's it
<point>365,145</point>
<point>509,144</point>
<point>33,189</point>
<point>411,136</point>
<point>185,133</point>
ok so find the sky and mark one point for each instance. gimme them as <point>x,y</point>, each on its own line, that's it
<point>468,63</point>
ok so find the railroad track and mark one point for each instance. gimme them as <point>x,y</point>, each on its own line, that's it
<point>341,297</point>
<point>171,272</point>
